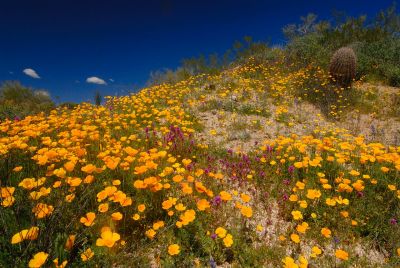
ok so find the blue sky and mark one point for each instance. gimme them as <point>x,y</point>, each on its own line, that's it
<point>66,41</point>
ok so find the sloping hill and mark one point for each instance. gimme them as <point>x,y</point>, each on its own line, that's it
<point>241,169</point>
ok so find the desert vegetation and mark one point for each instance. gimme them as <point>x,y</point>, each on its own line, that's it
<point>264,157</point>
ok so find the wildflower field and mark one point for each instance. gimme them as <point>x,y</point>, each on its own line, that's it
<point>240,169</point>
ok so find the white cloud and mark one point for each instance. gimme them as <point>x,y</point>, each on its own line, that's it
<point>43,93</point>
<point>111,80</point>
<point>30,72</point>
<point>96,80</point>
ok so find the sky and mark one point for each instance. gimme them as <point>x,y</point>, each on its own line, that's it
<point>74,48</point>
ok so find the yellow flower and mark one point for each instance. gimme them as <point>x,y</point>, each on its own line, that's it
<point>298,164</point>
<point>7,201</point>
<point>385,169</point>
<point>344,214</point>
<point>228,240</point>
<point>89,219</point>
<point>392,187</point>
<point>303,262</point>
<point>289,263</point>
<point>295,238</point>
<point>330,202</point>
<point>341,254</point>
<point>60,172</point>
<point>116,182</point>
<point>177,178</point>
<point>57,184</point>
<point>173,249</point>
<point>180,207</point>
<point>225,196</point>
<point>69,166</point>
<point>358,185</point>
<point>221,232</point>
<point>103,207</point>
<point>70,242</point>
<point>87,254</point>
<point>302,228</point>
<point>315,251</point>
<point>150,233</point>
<point>38,260</point>
<point>28,183</point>
<point>130,151</point>
<point>7,191</point>
<point>203,204</point>
<point>112,162</point>
<point>167,204</point>
<point>74,182</point>
<point>17,169</point>
<point>313,194</point>
<point>136,217</point>
<point>246,211</point>
<point>300,185</point>
<point>89,168</point>
<point>186,162</point>
<point>199,172</point>
<point>157,225</point>
<point>62,265</point>
<point>117,216</point>
<point>187,217</point>
<point>42,210</point>
<point>31,234</point>
<point>69,198</point>
<point>88,179</point>
<point>303,203</point>
<point>354,173</point>
<point>246,198</point>
<point>141,207</point>
<point>297,215</point>
<point>108,239</point>
<point>326,232</point>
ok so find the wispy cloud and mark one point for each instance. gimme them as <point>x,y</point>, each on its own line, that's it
<point>30,72</point>
<point>96,80</point>
<point>111,80</point>
<point>43,93</point>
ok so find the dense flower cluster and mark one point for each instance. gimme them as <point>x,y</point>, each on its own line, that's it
<point>93,183</point>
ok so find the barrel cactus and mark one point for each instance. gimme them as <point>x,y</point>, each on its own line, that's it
<point>343,66</point>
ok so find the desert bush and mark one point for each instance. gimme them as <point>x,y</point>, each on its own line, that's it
<point>379,60</point>
<point>17,101</point>
<point>375,41</point>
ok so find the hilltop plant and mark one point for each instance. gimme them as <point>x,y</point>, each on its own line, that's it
<point>343,66</point>
<point>18,101</point>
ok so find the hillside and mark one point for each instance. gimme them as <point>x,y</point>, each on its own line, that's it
<point>259,166</point>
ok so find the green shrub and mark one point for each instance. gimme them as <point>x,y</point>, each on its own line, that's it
<point>380,60</point>
<point>18,101</point>
<point>394,76</point>
<point>375,41</point>
<point>302,51</point>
